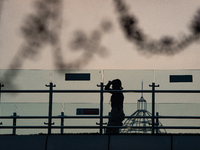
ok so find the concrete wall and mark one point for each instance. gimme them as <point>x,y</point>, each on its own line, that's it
<point>29,142</point>
<point>100,142</point>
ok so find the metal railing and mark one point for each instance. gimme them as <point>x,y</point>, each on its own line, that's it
<point>153,126</point>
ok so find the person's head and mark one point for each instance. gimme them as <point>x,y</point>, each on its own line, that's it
<point>117,84</point>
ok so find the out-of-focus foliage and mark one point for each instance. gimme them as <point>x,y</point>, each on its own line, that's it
<point>195,25</point>
<point>167,45</point>
<point>43,28</point>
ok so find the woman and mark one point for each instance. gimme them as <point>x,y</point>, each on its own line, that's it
<point>117,99</point>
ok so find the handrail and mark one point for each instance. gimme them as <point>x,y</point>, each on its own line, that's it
<point>101,117</point>
<point>93,117</point>
<point>98,91</point>
<point>14,127</point>
<point>97,127</point>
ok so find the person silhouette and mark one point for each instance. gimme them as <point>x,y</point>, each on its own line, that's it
<point>117,99</point>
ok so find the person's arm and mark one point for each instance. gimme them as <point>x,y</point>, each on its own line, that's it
<point>107,87</point>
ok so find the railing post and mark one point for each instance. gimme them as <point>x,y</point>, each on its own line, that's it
<point>1,85</point>
<point>62,123</point>
<point>14,123</point>
<point>101,108</point>
<point>50,106</point>
<point>153,106</point>
<point>157,122</point>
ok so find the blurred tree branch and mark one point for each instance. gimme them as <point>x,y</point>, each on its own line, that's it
<point>43,28</point>
<point>167,45</point>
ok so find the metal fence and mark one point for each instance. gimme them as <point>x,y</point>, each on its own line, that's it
<point>50,125</point>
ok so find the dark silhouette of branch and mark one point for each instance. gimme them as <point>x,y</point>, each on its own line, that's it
<point>43,27</point>
<point>195,25</point>
<point>167,45</point>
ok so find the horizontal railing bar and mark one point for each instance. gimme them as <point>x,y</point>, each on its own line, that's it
<point>47,127</point>
<point>45,117</point>
<point>91,117</point>
<point>156,127</point>
<point>24,117</point>
<point>71,91</point>
<point>177,127</point>
<point>23,127</point>
<point>178,117</point>
<point>98,91</point>
<point>97,127</point>
<point>177,91</point>
<point>166,117</point>
<point>72,127</point>
<point>47,91</point>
